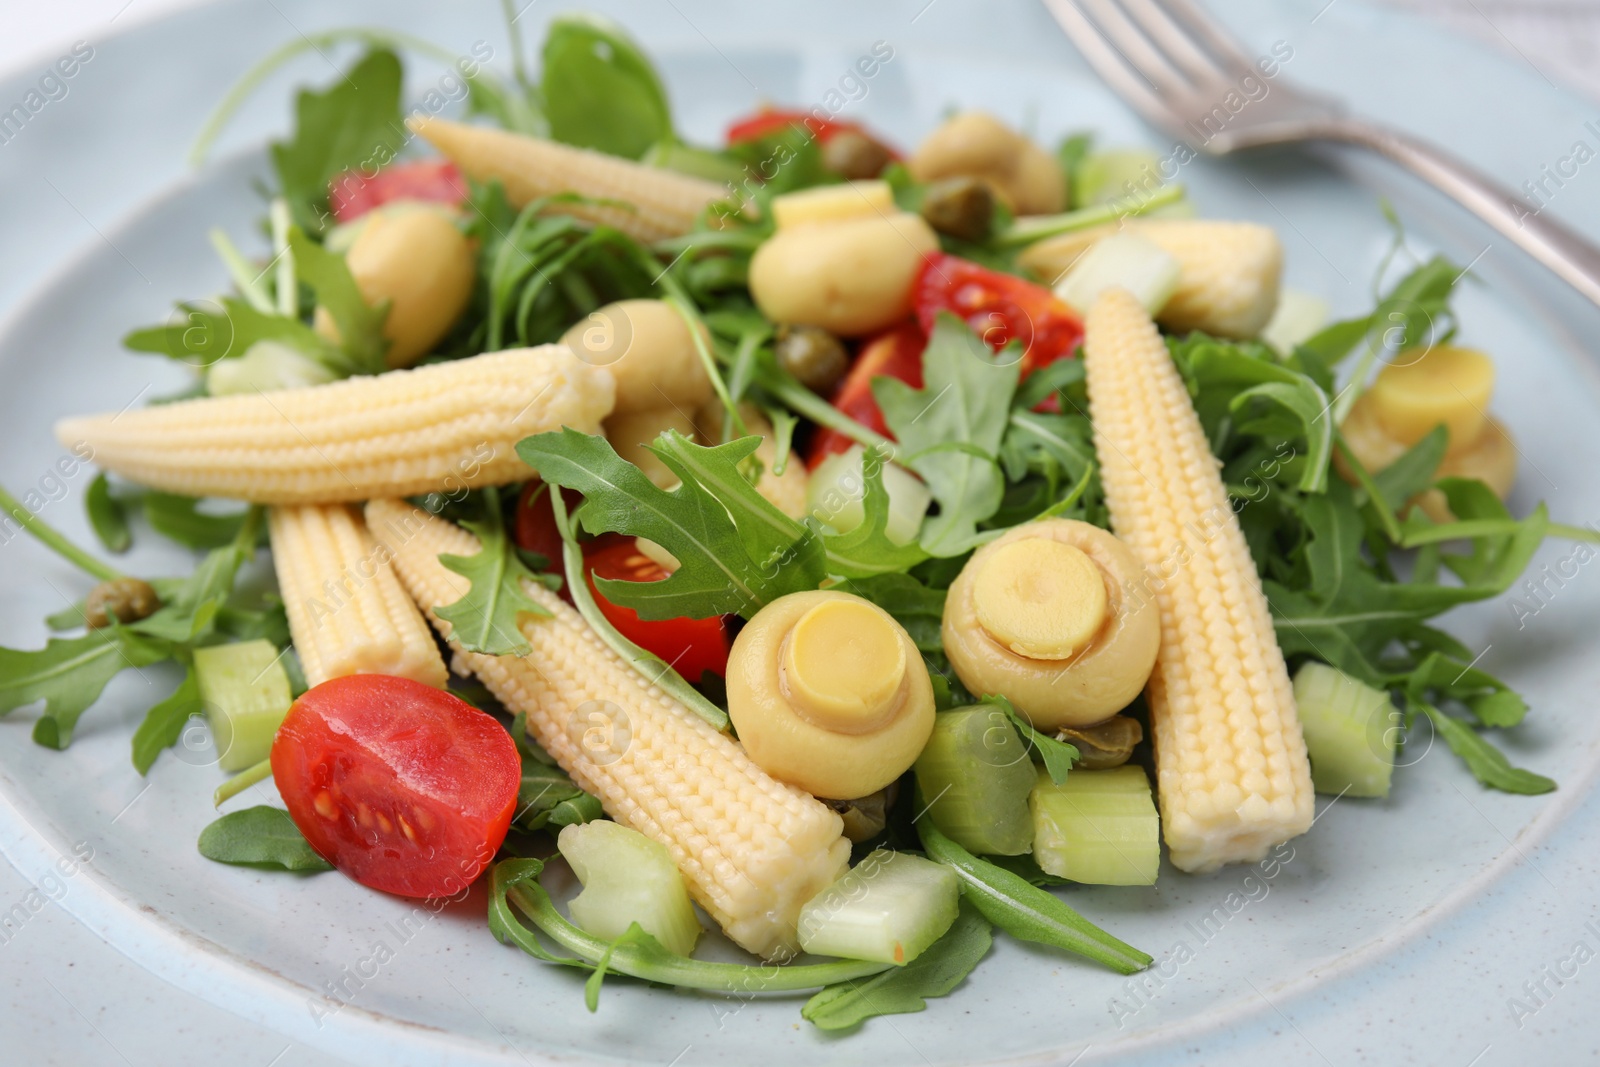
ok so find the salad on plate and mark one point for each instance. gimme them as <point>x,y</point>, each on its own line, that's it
<point>840,545</point>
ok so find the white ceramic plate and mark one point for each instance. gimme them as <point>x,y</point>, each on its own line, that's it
<point>360,975</point>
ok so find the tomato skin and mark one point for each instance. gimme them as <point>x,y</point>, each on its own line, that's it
<point>691,646</point>
<point>1000,308</point>
<point>774,120</point>
<point>895,353</point>
<point>353,193</point>
<point>535,527</point>
<point>401,786</point>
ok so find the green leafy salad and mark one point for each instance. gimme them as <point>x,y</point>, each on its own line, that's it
<point>831,545</point>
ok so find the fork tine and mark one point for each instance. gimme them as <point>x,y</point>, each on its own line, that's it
<point>1160,26</point>
<point>1110,64</point>
<point>1201,25</point>
<point>1136,48</point>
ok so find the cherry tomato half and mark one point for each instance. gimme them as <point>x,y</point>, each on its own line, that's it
<point>535,527</point>
<point>403,787</point>
<point>353,194</point>
<point>896,353</point>
<point>1000,308</point>
<point>774,120</point>
<point>691,646</point>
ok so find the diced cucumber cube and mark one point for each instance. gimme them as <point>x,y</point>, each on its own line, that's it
<point>1116,173</point>
<point>1122,261</point>
<point>245,691</point>
<point>264,367</point>
<point>1297,317</point>
<point>975,775</point>
<point>1351,731</point>
<point>1098,827</point>
<point>889,908</point>
<point>628,878</point>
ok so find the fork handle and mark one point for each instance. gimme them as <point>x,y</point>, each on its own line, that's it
<point>1571,256</point>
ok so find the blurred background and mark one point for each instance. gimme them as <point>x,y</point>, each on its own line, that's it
<point>1558,38</point>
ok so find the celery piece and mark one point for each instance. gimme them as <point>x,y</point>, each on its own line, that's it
<point>1122,261</point>
<point>1105,176</point>
<point>245,691</point>
<point>889,908</point>
<point>264,367</point>
<point>978,774</point>
<point>1296,319</point>
<point>627,878</point>
<point>836,495</point>
<point>1098,827</point>
<point>1350,731</point>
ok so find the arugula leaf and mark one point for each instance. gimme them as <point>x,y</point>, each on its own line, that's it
<point>951,430</point>
<point>361,341</point>
<point>260,837</point>
<point>163,724</point>
<point>485,620</point>
<point>107,515</point>
<point>600,90</point>
<point>1023,910</point>
<point>548,797</point>
<point>917,608</point>
<point>867,550</point>
<point>736,551</point>
<point>206,336</point>
<point>1413,472</point>
<point>190,608</point>
<point>354,123</point>
<point>901,990</point>
<point>1057,756</point>
<point>69,674</point>
<point>1487,763</point>
<point>179,518</point>
<point>1415,312</point>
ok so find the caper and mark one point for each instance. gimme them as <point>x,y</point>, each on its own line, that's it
<point>854,156</point>
<point>125,599</point>
<point>813,355</point>
<point>865,817</point>
<point>959,207</point>
<point>1105,744</point>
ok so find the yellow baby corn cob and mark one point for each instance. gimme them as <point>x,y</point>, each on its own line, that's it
<point>1229,272</point>
<point>348,613</point>
<point>1230,759</point>
<point>666,203</point>
<point>440,428</point>
<point>751,849</point>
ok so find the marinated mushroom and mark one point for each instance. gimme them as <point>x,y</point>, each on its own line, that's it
<point>125,599</point>
<point>1105,744</point>
<point>416,258</point>
<point>828,693</point>
<point>1442,386</point>
<point>650,351</point>
<point>1058,617</point>
<point>974,144</point>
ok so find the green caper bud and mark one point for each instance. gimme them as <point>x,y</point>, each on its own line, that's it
<point>959,207</point>
<point>1105,744</point>
<point>865,817</point>
<point>125,599</point>
<point>854,156</point>
<point>813,355</point>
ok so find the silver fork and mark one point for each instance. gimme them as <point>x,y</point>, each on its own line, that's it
<point>1172,64</point>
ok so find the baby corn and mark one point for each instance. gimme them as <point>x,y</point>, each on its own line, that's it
<point>348,613</point>
<point>751,849</point>
<point>1230,759</point>
<point>665,203</point>
<point>447,427</point>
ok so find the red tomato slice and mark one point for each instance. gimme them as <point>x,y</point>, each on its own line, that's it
<point>691,646</point>
<point>1000,308</point>
<point>403,787</point>
<point>896,353</point>
<point>353,194</point>
<point>772,120</point>
<point>536,529</point>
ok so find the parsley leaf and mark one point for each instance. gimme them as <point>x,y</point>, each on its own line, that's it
<point>69,674</point>
<point>900,990</point>
<point>485,620</point>
<point>260,837</point>
<point>951,430</point>
<point>354,123</point>
<point>736,551</point>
